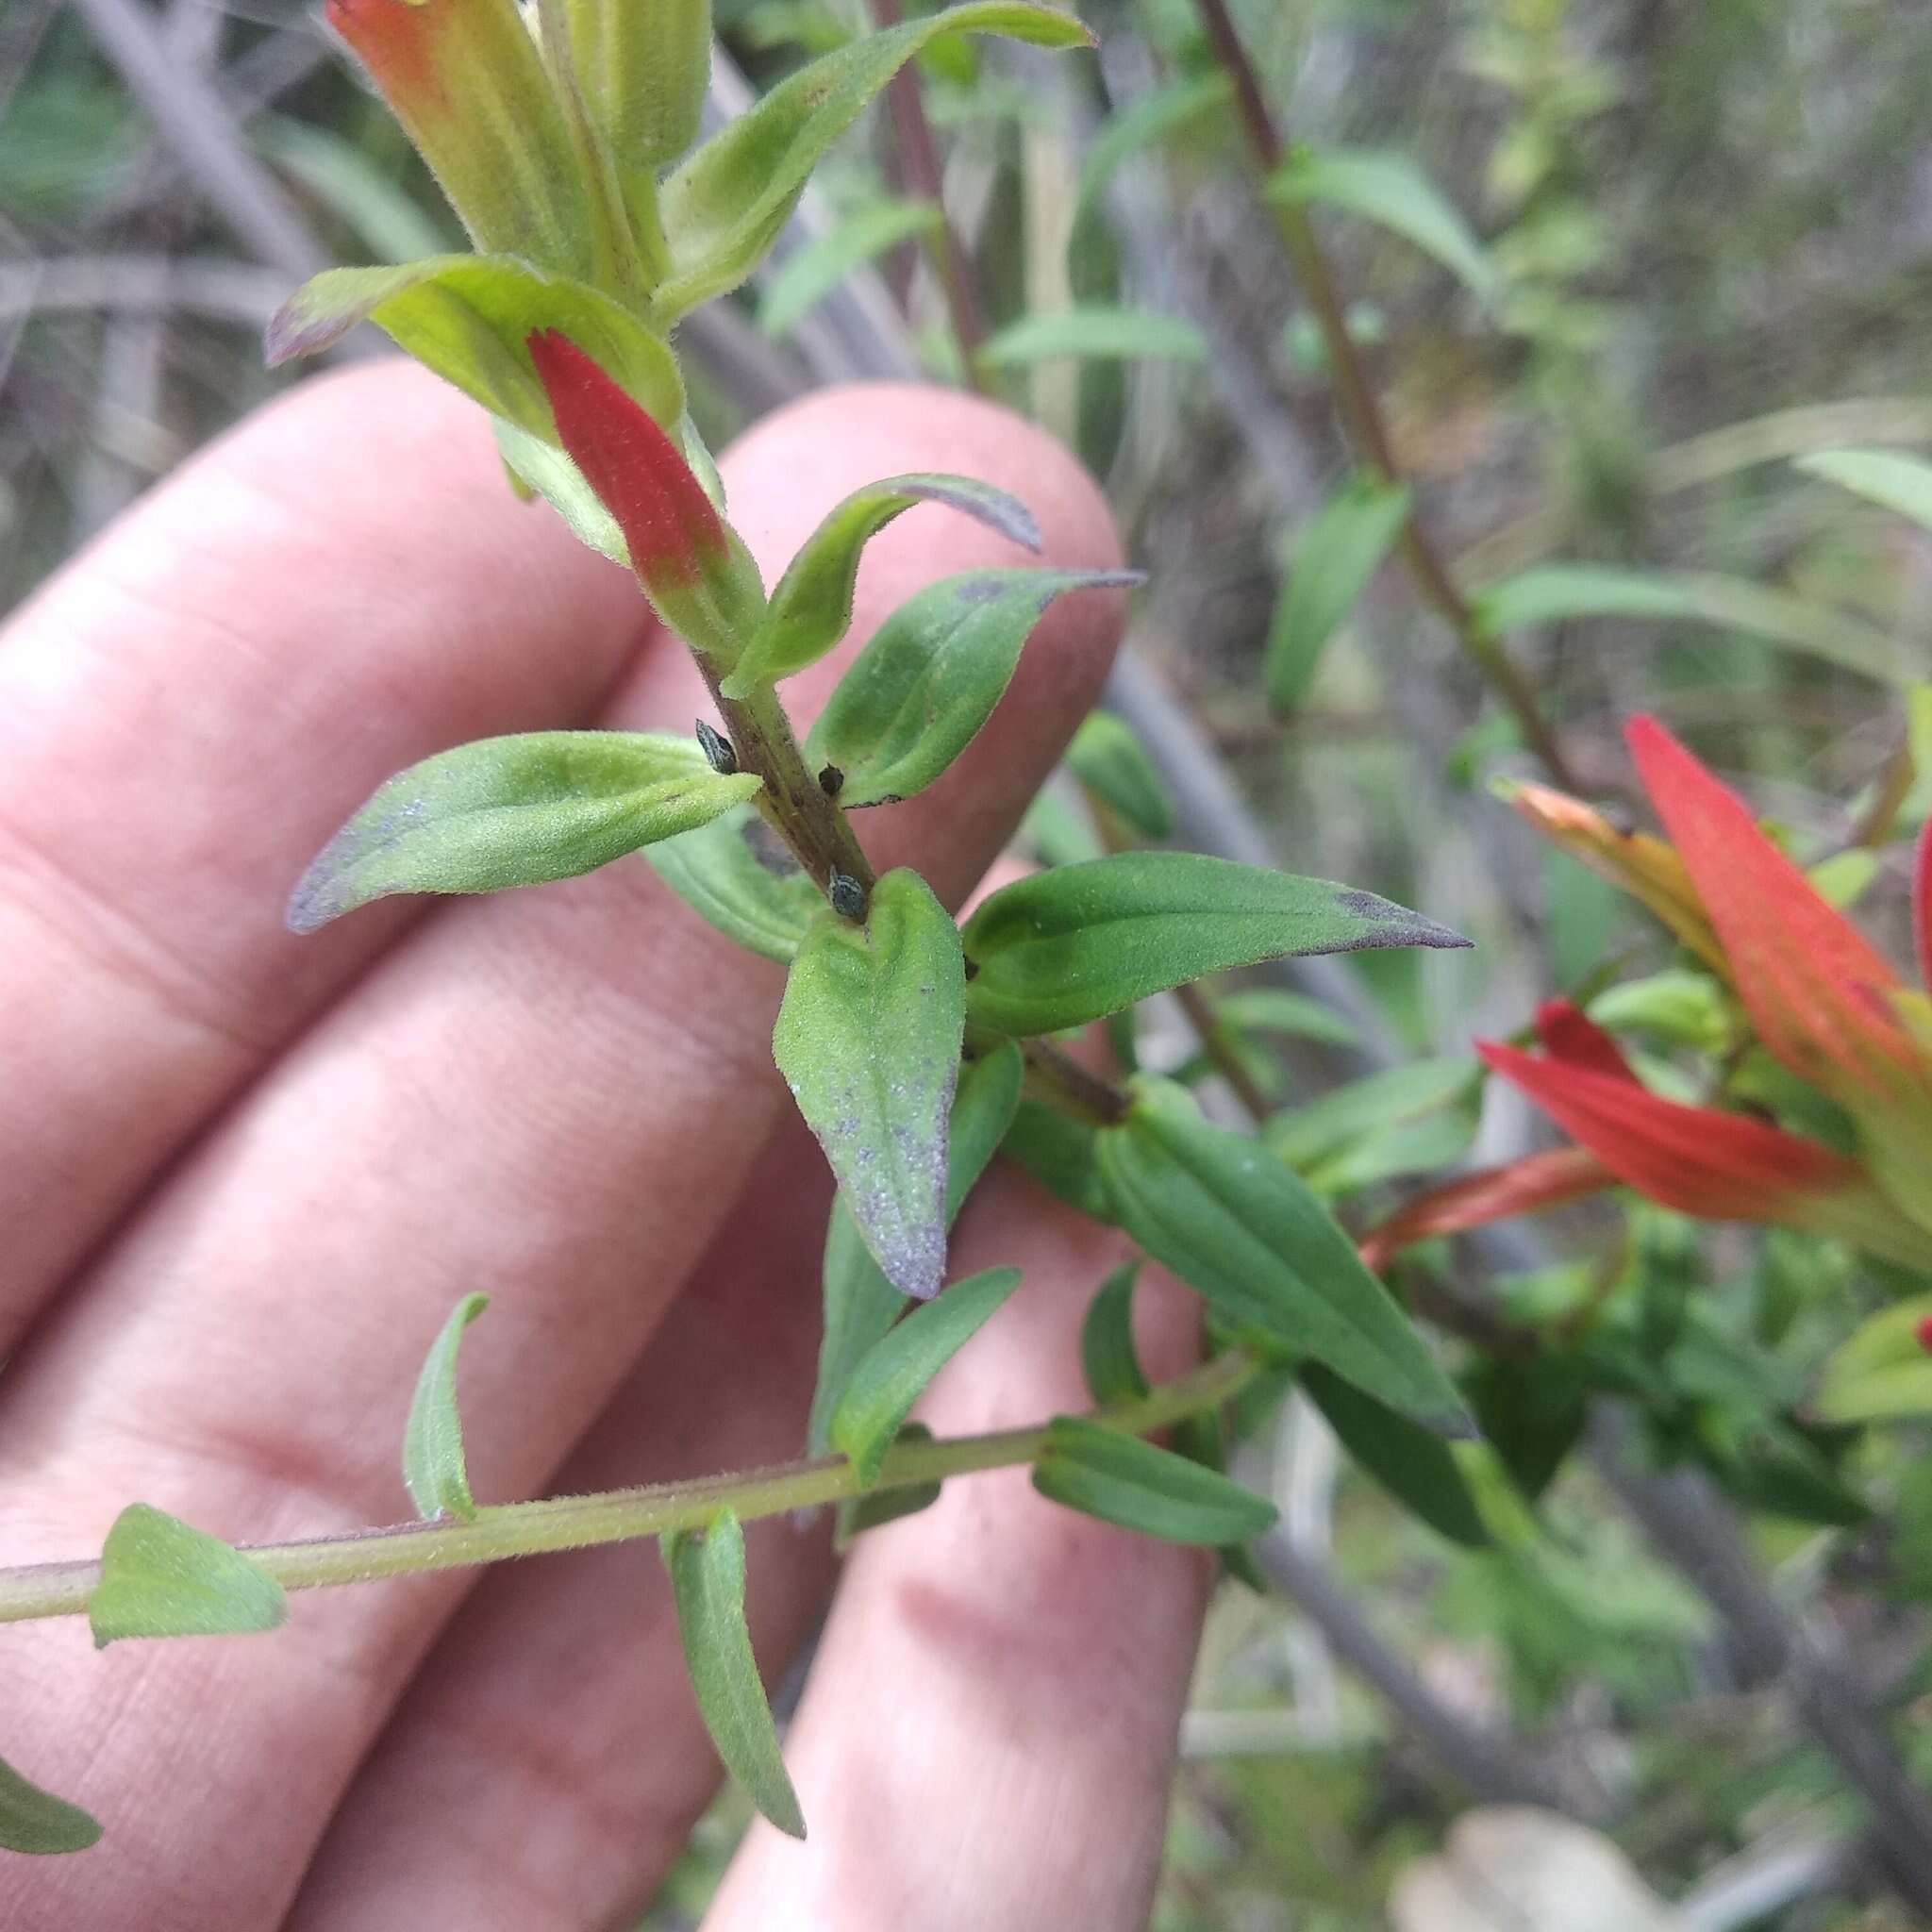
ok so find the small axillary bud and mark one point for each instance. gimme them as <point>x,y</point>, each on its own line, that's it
<point>847,894</point>
<point>831,781</point>
<point>719,749</point>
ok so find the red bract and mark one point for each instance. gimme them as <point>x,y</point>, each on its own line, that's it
<point>670,526</point>
<point>1815,988</point>
<point>1495,1194</point>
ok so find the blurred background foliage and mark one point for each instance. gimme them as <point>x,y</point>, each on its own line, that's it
<point>1702,248</point>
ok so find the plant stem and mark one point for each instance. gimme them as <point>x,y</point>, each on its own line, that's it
<point>1212,1034</point>
<point>794,804</point>
<point>1361,414</point>
<point>1063,1084</point>
<point>918,177</point>
<point>570,1522</point>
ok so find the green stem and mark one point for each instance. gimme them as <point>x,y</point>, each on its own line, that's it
<point>1361,414</point>
<point>572,1523</point>
<point>1060,1082</point>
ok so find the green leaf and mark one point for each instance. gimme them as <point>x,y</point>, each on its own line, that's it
<point>1113,764</point>
<point>707,1581</point>
<point>1062,1155</point>
<point>811,609</point>
<point>876,1507</point>
<point>1415,1466</point>
<point>1074,944</point>
<point>1135,1485</point>
<point>1107,1355</point>
<point>514,811</point>
<point>468,318</point>
<point>642,67</point>
<point>1270,1010</point>
<point>1882,1372</point>
<point>725,207</point>
<point>1390,188</point>
<point>1167,110</point>
<point>738,876</point>
<point>160,1578</point>
<point>1341,550</point>
<point>355,188</point>
<point>917,694</point>
<point>894,1373</point>
<point>1882,476</point>
<point>433,1467</point>
<point>35,1820</point>
<point>812,271</point>
<point>1552,592</point>
<point>1226,1217</point>
<point>1410,1119</point>
<point>860,1303</point>
<point>1091,334</point>
<point>868,1039</point>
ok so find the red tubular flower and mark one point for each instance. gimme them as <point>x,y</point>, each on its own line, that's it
<point>698,578</point>
<point>1494,1194</point>
<point>1815,988</point>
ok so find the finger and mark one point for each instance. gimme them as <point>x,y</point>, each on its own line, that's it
<point>553,1095</point>
<point>987,1734</point>
<point>185,714</point>
<point>546,1767</point>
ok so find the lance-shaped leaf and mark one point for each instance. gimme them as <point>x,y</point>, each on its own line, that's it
<point>35,1820</point>
<point>1251,1239</point>
<point>161,1579</point>
<point>1548,1180</point>
<point>868,1039</point>
<point>738,876</point>
<point>1199,100</point>
<point>1404,1120</point>
<point>707,1581</point>
<point>1113,764</point>
<point>1081,941</point>
<point>1340,551</point>
<point>1813,986</point>
<point>1880,475</point>
<point>435,1470</point>
<point>465,79</point>
<point>642,67</point>
<point>469,318</point>
<point>1063,1156</point>
<point>1092,334</point>
<point>916,696</point>
<point>1271,1010</point>
<point>1392,190</point>
<point>875,1508</point>
<point>1718,1166</point>
<point>699,577</point>
<point>811,609</point>
<point>810,273</point>
<point>724,207</point>
<point>1109,1358</point>
<point>1414,1465</point>
<point>892,1374</point>
<point>1882,1372</point>
<point>1643,866</point>
<point>514,811</point>
<point>1138,1486</point>
<point>860,1303</point>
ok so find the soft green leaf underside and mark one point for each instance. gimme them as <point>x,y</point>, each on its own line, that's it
<point>514,811</point>
<point>737,876</point>
<point>868,1039</point>
<point>861,1305</point>
<point>1226,1217</point>
<point>1883,476</point>
<point>894,1373</point>
<point>916,696</point>
<point>1137,1485</point>
<point>434,1470</point>
<point>1092,334</point>
<point>1081,941</point>
<point>707,1582</point>
<point>35,1820</point>
<point>1113,764</point>
<point>161,1579</point>
<point>811,609</point>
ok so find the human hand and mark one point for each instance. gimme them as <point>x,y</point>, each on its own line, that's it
<point>243,1178</point>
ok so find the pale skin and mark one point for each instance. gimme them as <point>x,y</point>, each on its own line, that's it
<point>243,1178</point>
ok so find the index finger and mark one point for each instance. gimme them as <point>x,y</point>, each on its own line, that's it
<point>147,836</point>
